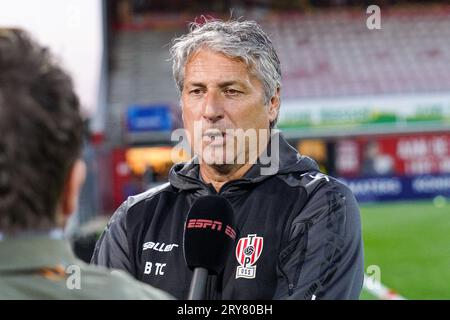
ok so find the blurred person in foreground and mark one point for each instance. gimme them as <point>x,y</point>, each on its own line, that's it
<point>41,174</point>
<point>299,231</point>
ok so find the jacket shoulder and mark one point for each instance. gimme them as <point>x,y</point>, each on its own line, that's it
<point>132,201</point>
<point>81,281</point>
<point>116,284</point>
<point>150,193</point>
<point>112,249</point>
<point>325,195</point>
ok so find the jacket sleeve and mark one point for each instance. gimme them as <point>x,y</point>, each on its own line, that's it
<point>323,258</point>
<point>111,250</point>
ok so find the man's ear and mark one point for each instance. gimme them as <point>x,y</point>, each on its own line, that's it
<point>72,188</point>
<point>274,106</point>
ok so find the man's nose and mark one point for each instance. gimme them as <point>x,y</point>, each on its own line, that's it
<point>213,109</point>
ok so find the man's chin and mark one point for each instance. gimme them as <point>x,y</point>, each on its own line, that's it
<point>212,160</point>
<point>222,168</point>
<point>217,161</point>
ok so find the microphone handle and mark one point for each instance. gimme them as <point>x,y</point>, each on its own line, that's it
<point>197,289</point>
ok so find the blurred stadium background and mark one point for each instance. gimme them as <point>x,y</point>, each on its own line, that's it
<point>371,106</point>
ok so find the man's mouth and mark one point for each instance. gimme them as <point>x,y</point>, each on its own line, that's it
<point>214,137</point>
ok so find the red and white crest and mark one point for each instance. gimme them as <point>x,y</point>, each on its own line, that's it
<point>248,250</point>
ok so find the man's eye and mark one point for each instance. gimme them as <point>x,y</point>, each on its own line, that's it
<point>232,92</point>
<point>196,92</point>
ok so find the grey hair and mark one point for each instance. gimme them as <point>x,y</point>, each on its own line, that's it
<point>236,39</point>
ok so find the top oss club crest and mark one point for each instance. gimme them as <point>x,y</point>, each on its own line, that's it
<point>248,251</point>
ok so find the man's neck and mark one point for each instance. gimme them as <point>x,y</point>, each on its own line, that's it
<point>218,176</point>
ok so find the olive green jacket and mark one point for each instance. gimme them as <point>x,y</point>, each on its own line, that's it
<point>39,267</point>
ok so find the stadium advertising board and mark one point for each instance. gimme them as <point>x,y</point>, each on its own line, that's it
<point>399,188</point>
<point>395,167</point>
<point>360,115</point>
<point>412,154</point>
<point>148,118</point>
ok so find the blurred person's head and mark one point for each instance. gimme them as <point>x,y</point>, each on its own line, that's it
<point>229,78</point>
<point>40,137</point>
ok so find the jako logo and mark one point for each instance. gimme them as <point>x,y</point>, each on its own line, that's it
<point>211,224</point>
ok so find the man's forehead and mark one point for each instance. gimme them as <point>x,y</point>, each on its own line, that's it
<point>204,59</point>
<point>214,65</point>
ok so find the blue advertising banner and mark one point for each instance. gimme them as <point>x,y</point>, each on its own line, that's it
<point>148,118</point>
<point>370,189</point>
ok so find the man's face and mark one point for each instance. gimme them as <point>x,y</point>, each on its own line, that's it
<point>220,94</point>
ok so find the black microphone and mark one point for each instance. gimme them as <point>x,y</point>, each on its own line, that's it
<point>209,237</point>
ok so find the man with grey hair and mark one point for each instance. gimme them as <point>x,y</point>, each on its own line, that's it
<point>299,231</point>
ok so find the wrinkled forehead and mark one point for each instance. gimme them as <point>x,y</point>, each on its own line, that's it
<point>204,48</point>
<point>208,60</point>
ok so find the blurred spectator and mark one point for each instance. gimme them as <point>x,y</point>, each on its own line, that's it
<point>375,163</point>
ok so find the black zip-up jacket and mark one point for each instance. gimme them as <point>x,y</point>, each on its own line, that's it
<point>300,231</point>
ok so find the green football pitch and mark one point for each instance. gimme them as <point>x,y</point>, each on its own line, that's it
<point>410,242</point>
